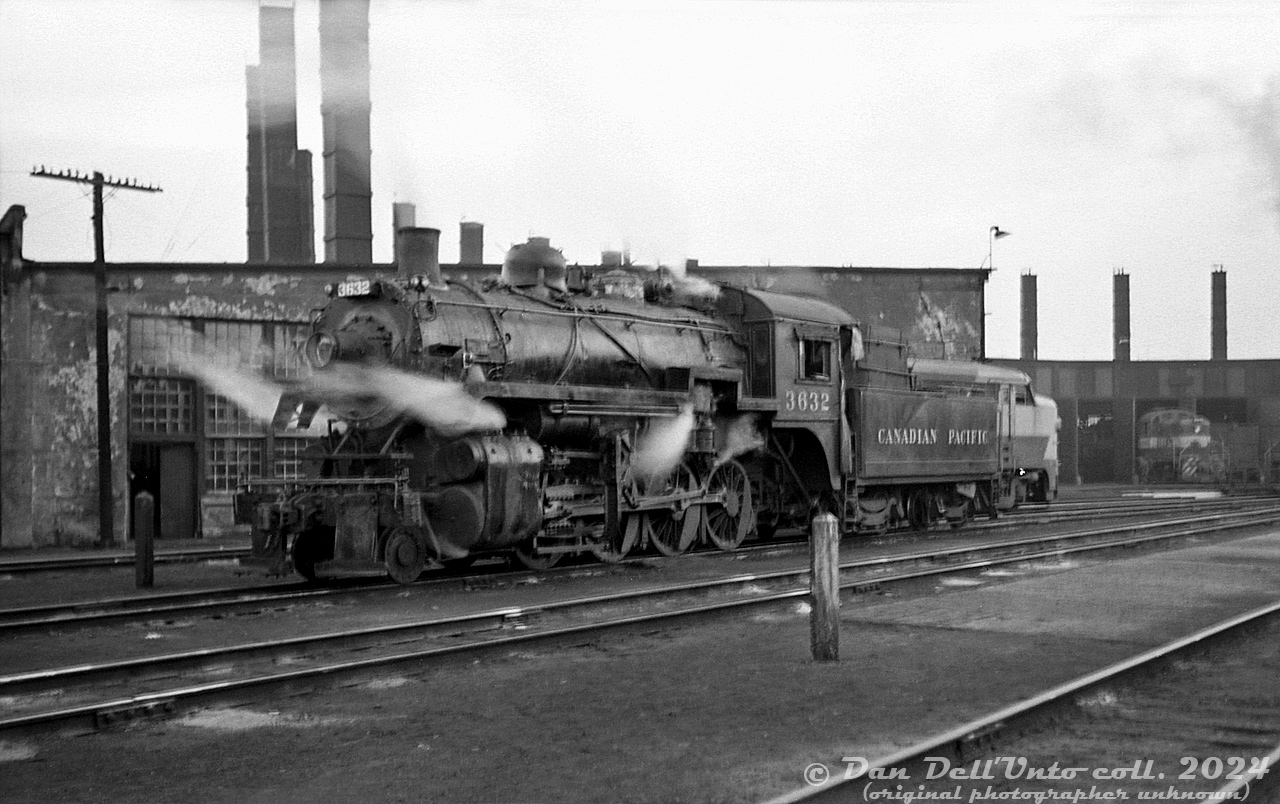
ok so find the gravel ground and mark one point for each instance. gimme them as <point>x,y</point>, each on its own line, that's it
<point>726,710</point>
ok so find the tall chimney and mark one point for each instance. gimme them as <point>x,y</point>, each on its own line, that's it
<point>472,244</point>
<point>255,199</point>
<point>345,107</point>
<point>1219,303</point>
<point>1030,324</point>
<point>1121,314</point>
<point>403,216</point>
<point>279,182</point>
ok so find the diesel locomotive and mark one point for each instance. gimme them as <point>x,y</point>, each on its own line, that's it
<point>1176,445</point>
<point>603,414</point>
<point>1030,420</point>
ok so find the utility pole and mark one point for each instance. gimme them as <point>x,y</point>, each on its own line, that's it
<point>106,513</point>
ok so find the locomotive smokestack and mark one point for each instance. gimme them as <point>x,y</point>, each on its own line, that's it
<point>419,253</point>
<point>1121,312</point>
<point>1219,302</point>
<point>471,247</point>
<point>1030,323</point>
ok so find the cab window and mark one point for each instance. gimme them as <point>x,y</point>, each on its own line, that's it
<point>815,359</point>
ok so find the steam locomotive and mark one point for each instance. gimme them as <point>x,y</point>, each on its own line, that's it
<point>549,412</point>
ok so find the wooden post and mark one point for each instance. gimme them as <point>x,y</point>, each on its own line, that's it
<point>824,560</point>
<point>144,545</point>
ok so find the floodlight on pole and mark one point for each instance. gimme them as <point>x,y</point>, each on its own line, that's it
<point>995,234</point>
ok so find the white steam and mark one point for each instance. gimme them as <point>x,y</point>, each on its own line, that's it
<point>661,449</point>
<point>695,286</point>
<point>737,437</point>
<point>440,404</point>
<point>224,371</point>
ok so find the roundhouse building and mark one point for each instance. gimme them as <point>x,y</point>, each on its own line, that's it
<point>1101,402</point>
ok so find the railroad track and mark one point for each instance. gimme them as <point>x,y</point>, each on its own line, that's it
<point>145,685</point>
<point>1212,693</point>
<point>1056,511</point>
<point>256,598</point>
<point>19,566</point>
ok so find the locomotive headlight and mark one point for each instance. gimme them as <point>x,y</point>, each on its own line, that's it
<point>321,349</point>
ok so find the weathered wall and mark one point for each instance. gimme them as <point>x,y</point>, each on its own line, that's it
<point>940,310</point>
<point>49,411</point>
<point>50,469</point>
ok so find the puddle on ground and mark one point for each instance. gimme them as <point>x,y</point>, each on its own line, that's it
<point>16,752</point>
<point>961,582</point>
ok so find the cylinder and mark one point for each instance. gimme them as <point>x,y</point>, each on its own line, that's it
<point>1121,326</point>
<point>1030,323</point>
<point>418,251</point>
<point>1218,349</point>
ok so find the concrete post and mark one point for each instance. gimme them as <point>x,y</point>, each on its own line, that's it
<point>824,619</point>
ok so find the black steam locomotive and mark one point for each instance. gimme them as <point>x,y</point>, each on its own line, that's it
<point>550,412</point>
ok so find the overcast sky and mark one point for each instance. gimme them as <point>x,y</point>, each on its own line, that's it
<point>1140,136</point>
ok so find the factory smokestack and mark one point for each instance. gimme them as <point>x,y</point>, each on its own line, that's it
<point>1218,349</point>
<point>1121,313</point>
<point>472,244</point>
<point>1030,322</point>
<point>403,216</point>
<point>345,108</point>
<point>280,221</point>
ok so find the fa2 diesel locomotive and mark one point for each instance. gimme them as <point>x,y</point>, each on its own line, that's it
<point>561,388</point>
<point>1028,420</point>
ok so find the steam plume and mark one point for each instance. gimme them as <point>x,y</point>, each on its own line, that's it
<point>223,371</point>
<point>662,447</point>
<point>442,405</point>
<point>738,437</point>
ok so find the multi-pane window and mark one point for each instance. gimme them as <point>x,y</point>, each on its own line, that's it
<point>159,345</point>
<point>227,460</point>
<point>237,343</point>
<point>161,405</point>
<point>234,443</point>
<point>288,363</point>
<point>224,418</point>
<point>288,457</point>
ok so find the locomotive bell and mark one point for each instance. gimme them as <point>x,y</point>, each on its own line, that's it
<point>535,263</point>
